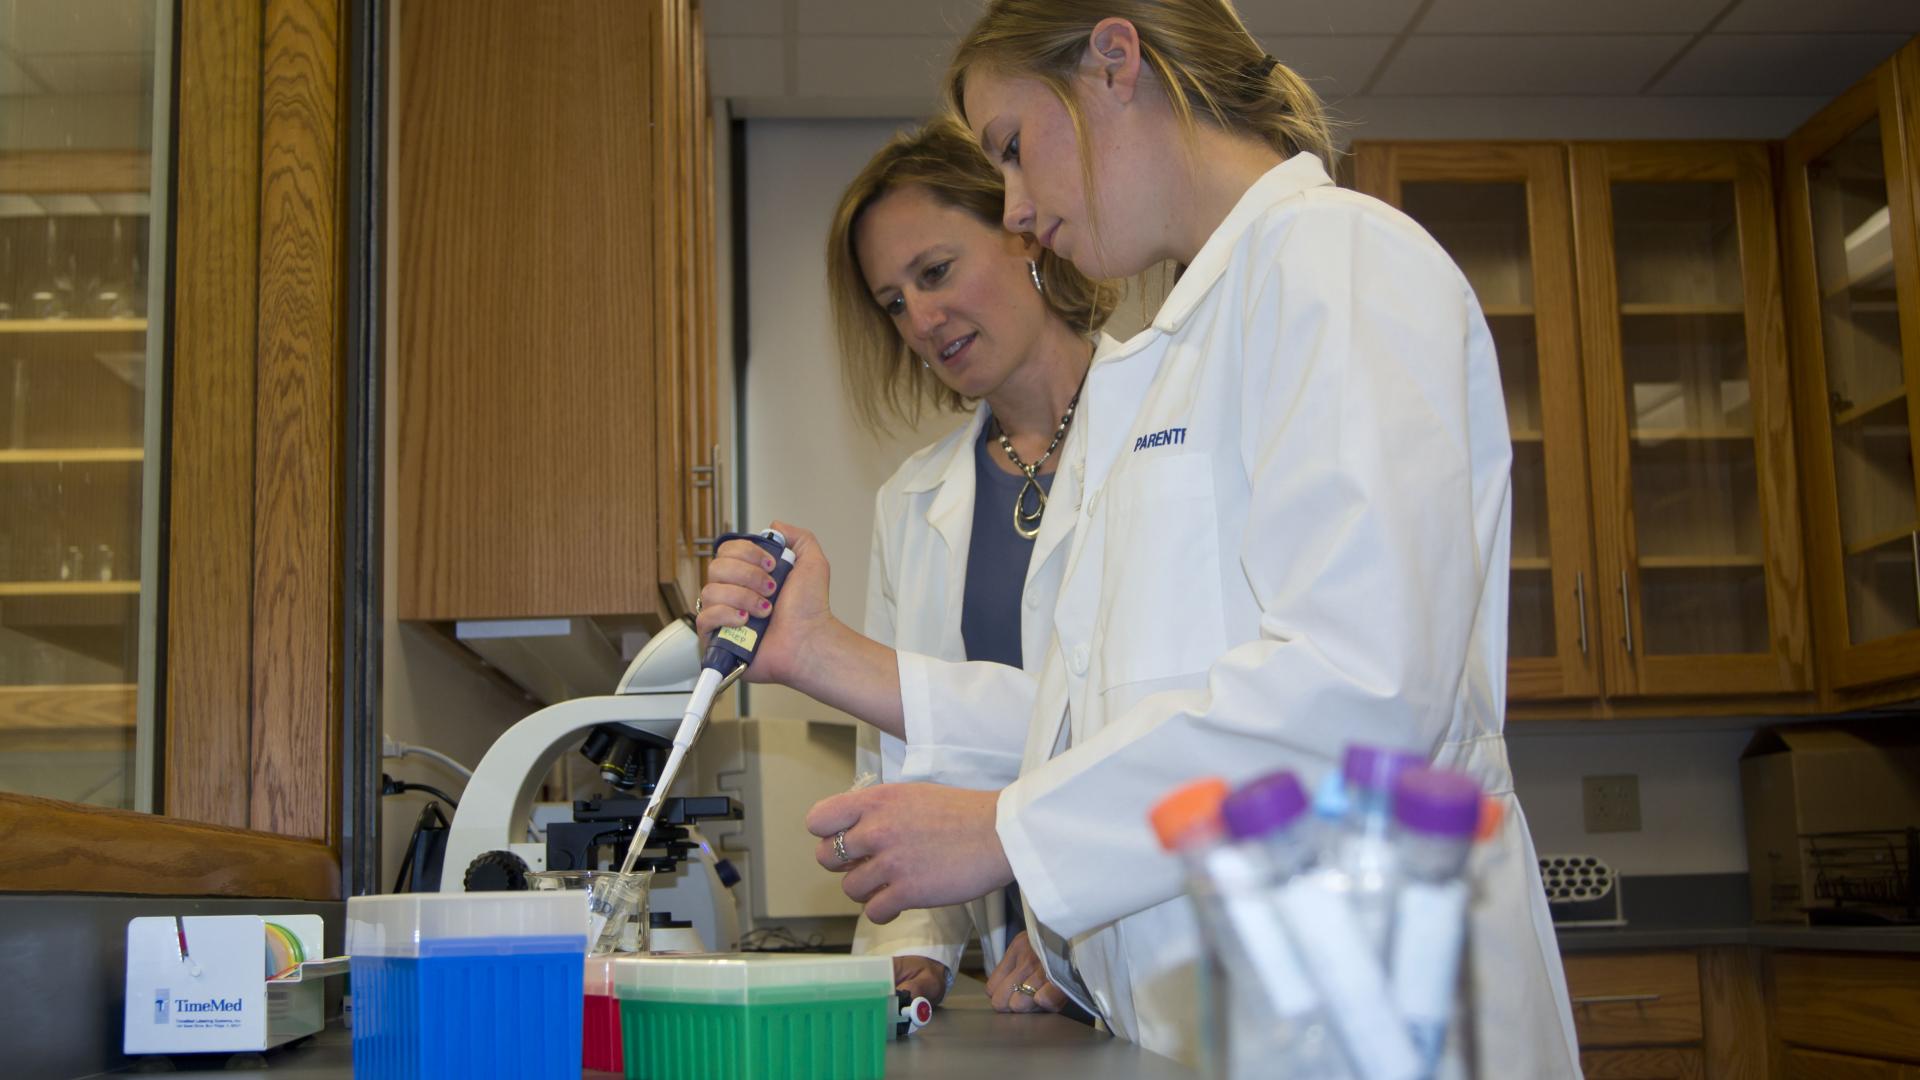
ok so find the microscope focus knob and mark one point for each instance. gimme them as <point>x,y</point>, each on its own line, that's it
<point>496,871</point>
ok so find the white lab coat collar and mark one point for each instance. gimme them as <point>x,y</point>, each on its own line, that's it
<point>1298,173</point>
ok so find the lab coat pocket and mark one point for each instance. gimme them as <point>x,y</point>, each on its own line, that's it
<point>1160,581</point>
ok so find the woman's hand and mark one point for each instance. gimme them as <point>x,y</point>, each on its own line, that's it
<point>740,583</point>
<point>1019,983</point>
<point>920,976</point>
<point>911,846</point>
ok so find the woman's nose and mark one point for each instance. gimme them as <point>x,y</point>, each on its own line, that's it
<point>925,316</point>
<point>1019,209</point>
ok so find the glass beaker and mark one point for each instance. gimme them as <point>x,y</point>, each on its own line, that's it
<point>616,905</point>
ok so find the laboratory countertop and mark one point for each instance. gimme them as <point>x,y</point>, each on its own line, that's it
<point>967,1040</point>
<point>1698,910</point>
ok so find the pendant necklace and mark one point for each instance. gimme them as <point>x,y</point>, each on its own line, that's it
<point>1026,523</point>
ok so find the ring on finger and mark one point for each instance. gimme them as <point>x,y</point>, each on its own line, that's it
<point>840,846</point>
<point>1026,988</point>
<point>698,600</point>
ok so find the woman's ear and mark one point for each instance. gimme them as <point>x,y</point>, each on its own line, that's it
<point>1113,57</point>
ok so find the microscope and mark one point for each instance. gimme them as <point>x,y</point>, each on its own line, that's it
<point>627,735</point>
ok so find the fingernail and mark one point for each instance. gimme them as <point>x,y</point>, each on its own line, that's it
<point>765,606</point>
<point>769,587</point>
<point>766,563</point>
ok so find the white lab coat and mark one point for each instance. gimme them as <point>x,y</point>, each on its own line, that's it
<point>916,579</point>
<point>1293,531</point>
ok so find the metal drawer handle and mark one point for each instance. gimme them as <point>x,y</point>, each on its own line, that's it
<point>1580,594</point>
<point>708,476</point>
<point>1626,609</point>
<point>1617,999</point>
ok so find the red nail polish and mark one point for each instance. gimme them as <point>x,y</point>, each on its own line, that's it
<point>766,564</point>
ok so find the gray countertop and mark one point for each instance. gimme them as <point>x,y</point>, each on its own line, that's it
<point>967,1040</point>
<point>1896,939</point>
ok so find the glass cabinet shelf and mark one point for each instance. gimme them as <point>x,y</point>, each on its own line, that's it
<point>73,326</point>
<point>1902,535</point>
<point>69,588</point>
<point>91,455</point>
<point>1507,311</point>
<point>1660,309</point>
<point>1855,412</point>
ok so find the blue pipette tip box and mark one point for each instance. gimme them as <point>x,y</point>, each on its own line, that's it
<point>466,984</point>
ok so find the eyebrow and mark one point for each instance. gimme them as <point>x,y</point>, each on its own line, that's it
<point>919,262</point>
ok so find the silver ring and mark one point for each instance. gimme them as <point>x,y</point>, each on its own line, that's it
<point>1026,988</point>
<point>696,605</point>
<point>840,846</point>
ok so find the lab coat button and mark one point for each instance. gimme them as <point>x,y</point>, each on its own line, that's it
<point>1079,659</point>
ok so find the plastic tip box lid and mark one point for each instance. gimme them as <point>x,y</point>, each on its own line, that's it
<point>474,924</point>
<point>732,976</point>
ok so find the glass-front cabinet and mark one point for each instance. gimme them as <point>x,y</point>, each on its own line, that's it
<point>1503,213</point>
<point>1696,517</point>
<point>1854,282</point>
<point>76,445</point>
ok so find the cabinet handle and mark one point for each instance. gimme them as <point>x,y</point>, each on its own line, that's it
<point>1617,999</point>
<point>1914,536</point>
<point>1626,608</point>
<point>1580,595</point>
<point>708,476</point>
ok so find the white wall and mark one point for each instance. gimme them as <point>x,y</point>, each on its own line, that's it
<point>808,462</point>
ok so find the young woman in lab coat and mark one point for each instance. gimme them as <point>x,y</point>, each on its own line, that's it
<point>935,305</point>
<point>1292,525</point>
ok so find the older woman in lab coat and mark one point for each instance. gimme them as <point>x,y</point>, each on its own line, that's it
<point>1292,530</point>
<point>935,305</point>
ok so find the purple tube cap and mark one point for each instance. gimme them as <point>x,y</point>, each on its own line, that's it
<point>1373,768</point>
<point>1436,802</point>
<point>1261,806</point>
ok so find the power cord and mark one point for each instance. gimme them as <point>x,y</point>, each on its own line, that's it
<point>390,786</point>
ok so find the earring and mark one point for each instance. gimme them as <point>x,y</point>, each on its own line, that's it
<point>1033,270</point>
<point>926,365</point>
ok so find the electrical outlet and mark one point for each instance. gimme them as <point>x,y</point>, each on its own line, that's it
<point>1611,803</point>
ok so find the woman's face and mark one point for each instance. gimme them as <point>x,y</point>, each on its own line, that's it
<point>957,289</point>
<point>1028,135</point>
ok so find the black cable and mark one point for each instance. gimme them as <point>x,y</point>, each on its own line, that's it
<point>400,786</point>
<point>430,818</point>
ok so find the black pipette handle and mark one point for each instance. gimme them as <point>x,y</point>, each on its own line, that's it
<point>733,646</point>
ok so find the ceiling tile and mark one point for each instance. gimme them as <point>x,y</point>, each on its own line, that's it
<point>1577,65</point>
<point>77,75</point>
<point>747,66</point>
<point>1335,66</point>
<point>35,27</point>
<point>744,16</point>
<point>1778,65</point>
<point>1298,17</point>
<point>874,67</point>
<point>948,18</point>
<point>1828,16</point>
<point>1569,17</point>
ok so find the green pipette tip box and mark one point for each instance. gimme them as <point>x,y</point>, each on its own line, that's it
<point>755,1016</point>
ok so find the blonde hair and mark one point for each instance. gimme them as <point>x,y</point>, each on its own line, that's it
<point>1209,66</point>
<point>883,378</point>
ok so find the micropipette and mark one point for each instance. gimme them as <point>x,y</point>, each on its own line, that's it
<point>731,651</point>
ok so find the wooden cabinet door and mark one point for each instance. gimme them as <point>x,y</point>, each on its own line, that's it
<point>1696,520</point>
<point>1853,276</point>
<point>1503,213</point>
<point>1799,1064</point>
<point>528,340</point>
<point>1651,1063</point>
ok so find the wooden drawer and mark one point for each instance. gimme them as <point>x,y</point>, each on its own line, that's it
<point>1652,1063</point>
<point>1820,1065</point>
<point>1635,999</point>
<point>1854,1003</point>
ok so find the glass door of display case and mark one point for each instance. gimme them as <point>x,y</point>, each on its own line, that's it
<point>79,395</point>
<point>1854,280</point>
<point>1696,509</point>
<point>1503,213</point>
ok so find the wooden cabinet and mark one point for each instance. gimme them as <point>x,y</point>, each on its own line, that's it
<point>1656,542</point>
<point>1846,1016</point>
<point>1504,214</point>
<point>1848,221</point>
<point>1689,1014</point>
<point>553,308</point>
<point>1696,507</point>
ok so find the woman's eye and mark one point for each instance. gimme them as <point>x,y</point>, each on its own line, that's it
<point>1011,152</point>
<point>895,306</point>
<point>936,273</point>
